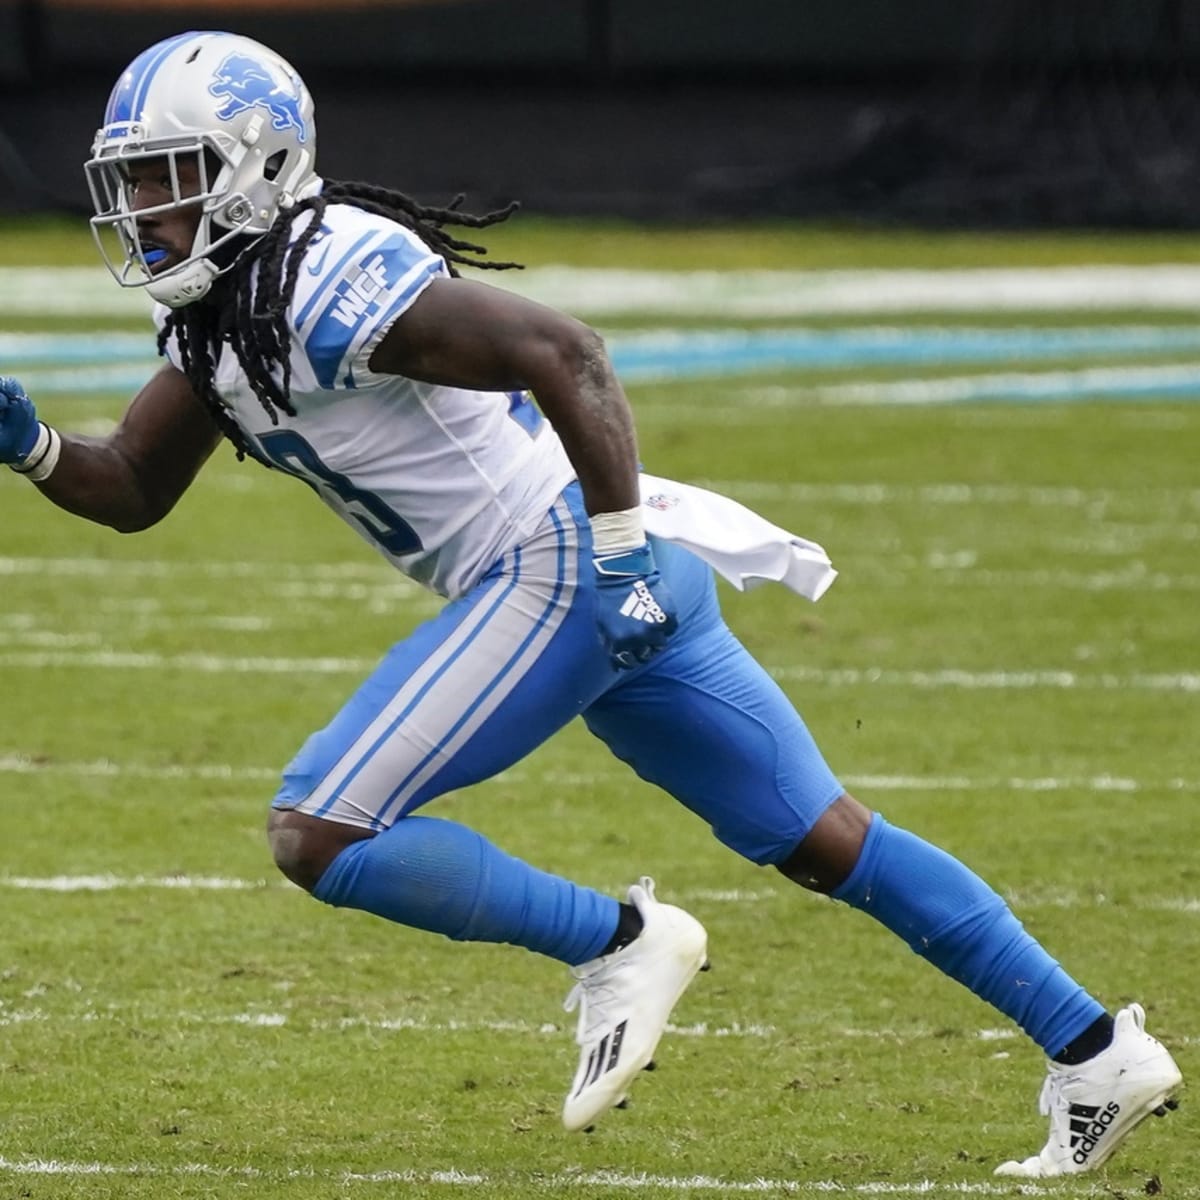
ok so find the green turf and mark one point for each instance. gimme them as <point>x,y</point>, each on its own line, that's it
<point>1006,665</point>
<point>756,245</point>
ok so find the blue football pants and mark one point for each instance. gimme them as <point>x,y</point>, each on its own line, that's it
<point>477,688</point>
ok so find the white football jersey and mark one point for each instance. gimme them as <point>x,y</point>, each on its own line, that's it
<point>441,480</point>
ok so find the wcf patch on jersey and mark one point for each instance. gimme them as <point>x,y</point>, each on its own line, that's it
<point>355,296</point>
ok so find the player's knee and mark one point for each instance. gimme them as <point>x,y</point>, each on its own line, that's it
<point>304,846</point>
<point>823,861</point>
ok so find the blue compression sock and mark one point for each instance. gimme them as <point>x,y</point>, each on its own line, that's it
<point>436,875</point>
<point>948,915</point>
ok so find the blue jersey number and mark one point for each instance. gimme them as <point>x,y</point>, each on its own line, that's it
<point>291,453</point>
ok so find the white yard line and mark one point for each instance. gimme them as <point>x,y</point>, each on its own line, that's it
<point>870,494</point>
<point>782,293</point>
<point>1056,898</point>
<point>86,291</point>
<point>955,494</point>
<point>1027,679</point>
<point>205,664</point>
<point>701,1030</point>
<point>114,883</point>
<point>14,763</point>
<point>103,768</point>
<point>278,1020</point>
<point>365,570</point>
<point>1177,378</point>
<point>1187,682</point>
<point>564,1182</point>
<point>956,569</point>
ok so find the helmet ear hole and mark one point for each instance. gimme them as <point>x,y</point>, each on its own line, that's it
<point>274,165</point>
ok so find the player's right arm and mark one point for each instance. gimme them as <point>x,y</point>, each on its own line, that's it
<point>129,479</point>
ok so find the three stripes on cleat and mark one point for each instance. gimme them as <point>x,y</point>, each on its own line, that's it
<point>650,1066</point>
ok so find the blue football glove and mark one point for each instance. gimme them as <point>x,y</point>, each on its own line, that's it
<point>634,607</point>
<point>18,422</point>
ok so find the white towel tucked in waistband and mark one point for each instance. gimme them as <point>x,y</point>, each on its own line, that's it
<point>735,541</point>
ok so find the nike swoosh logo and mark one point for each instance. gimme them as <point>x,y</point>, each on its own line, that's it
<point>315,268</point>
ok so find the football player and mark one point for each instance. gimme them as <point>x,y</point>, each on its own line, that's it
<point>483,445</point>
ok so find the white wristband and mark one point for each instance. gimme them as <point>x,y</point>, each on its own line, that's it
<point>617,531</point>
<point>40,462</point>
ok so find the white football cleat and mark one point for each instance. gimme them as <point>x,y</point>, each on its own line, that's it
<point>1094,1106</point>
<point>625,1000</point>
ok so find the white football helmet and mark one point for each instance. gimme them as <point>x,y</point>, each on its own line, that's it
<point>235,108</point>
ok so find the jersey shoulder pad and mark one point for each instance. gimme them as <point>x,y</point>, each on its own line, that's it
<point>359,273</point>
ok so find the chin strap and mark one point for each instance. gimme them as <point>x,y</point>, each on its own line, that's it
<point>185,286</point>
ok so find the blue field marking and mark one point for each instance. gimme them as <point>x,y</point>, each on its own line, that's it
<point>1102,359</point>
<point>687,354</point>
<point>62,349</point>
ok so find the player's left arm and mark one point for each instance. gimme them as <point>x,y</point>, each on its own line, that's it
<point>466,334</point>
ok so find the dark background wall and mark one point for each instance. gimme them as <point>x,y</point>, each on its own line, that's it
<point>953,112</point>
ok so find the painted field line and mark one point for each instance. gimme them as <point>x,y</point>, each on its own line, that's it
<point>957,568</point>
<point>1034,679</point>
<point>759,293</point>
<point>1058,898</point>
<point>1018,783</point>
<point>279,1020</point>
<point>788,293</point>
<point>871,494</point>
<point>103,768</point>
<point>1135,577</point>
<point>563,1182</point>
<point>665,350</point>
<point>1156,499</point>
<point>897,573</point>
<point>364,571</point>
<point>1176,381</point>
<point>1187,682</point>
<point>953,494</point>
<point>700,1030</point>
<point>74,363</point>
<point>93,379</point>
<point>205,664</point>
<point>15,763</point>
<point>115,883</point>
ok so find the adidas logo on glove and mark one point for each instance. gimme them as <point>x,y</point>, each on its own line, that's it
<point>641,605</point>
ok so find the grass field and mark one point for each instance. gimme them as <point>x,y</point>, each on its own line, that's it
<point>1007,665</point>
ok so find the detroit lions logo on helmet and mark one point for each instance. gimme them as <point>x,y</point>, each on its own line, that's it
<point>246,83</point>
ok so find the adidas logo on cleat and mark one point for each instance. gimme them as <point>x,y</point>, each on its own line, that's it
<point>641,605</point>
<point>603,1057</point>
<point>1088,1125</point>
<point>1093,1106</point>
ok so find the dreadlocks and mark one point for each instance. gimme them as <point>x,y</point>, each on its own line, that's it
<point>252,318</point>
